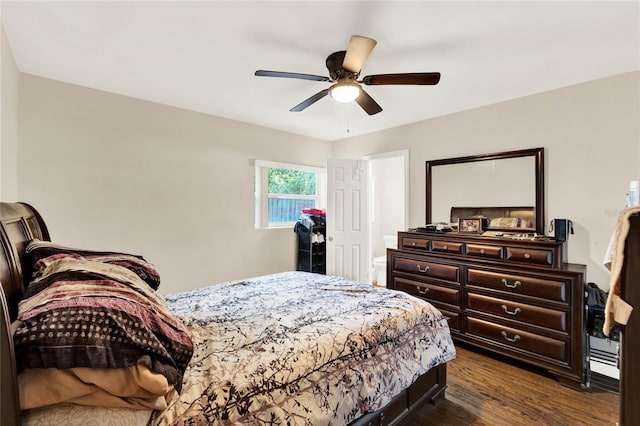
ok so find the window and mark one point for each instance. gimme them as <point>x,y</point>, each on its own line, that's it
<point>283,190</point>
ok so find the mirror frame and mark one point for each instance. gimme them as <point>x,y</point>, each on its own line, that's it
<point>536,153</point>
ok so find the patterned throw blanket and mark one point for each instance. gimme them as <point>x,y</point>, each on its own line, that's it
<point>82,313</point>
<point>301,349</point>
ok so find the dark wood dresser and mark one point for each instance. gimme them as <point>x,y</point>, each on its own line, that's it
<point>514,297</point>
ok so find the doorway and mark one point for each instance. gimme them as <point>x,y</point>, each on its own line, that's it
<point>388,201</point>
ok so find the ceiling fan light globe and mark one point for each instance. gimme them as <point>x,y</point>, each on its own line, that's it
<point>345,92</point>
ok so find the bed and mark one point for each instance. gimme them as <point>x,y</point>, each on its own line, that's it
<point>288,348</point>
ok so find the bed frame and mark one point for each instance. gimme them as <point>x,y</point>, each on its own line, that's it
<point>20,223</point>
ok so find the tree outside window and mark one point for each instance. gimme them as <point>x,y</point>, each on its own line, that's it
<point>290,191</point>
<point>283,190</point>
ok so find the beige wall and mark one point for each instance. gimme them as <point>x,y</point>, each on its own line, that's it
<point>8,122</point>
<point>112,172</point>
<point>591,135</point>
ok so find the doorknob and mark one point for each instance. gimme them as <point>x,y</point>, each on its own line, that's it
<point>330,238</point>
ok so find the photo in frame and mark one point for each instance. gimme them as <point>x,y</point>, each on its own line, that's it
<point>472,225</point>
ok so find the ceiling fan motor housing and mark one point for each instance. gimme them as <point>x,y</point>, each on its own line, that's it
<point>334,65</point>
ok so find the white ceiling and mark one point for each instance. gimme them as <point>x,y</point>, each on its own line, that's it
<point>202,55</point>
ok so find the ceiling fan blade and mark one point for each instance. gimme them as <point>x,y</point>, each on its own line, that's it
<point>367,103</point>
<point>407,78</point>
<point>264,73</point>
<point>357,53</point>
<point>313,99</point>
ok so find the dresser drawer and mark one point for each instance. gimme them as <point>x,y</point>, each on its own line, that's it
<point>414,243</point>
<point>428,291</point>
<point>427,269</point>
<point>536,315</point>
<point>494,252</point>
<point>541,345</point>
<point>534,256</point>
<point>447,246</point>
<point>528,286</point>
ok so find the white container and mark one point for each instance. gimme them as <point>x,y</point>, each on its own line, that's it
<point>380,271</point>
<point>634,190</point>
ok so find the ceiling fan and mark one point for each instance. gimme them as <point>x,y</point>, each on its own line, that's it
<point>344,69</point>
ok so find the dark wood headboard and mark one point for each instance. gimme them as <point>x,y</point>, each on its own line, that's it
<point>19,223</point>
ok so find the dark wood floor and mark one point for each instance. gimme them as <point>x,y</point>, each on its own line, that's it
<point>483,390</point>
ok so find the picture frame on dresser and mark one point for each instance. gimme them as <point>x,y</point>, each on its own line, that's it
<point>471,226</point>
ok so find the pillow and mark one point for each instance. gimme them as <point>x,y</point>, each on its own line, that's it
<point>81,313</point>
<point>39,254</point>
<point>503,222</point>
<point>524,223</point>
<point>136,387</point>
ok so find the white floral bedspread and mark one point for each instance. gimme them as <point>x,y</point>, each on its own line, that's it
<point>301,349</point>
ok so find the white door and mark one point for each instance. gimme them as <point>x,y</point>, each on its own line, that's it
<point>347,220</point>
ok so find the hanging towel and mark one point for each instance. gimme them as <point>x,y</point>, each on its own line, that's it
<point>616,309</point>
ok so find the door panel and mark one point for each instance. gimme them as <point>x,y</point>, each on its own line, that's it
<point>347,222</point>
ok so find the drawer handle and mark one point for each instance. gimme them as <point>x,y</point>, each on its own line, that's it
<point>481,251</point>
<point>510,339</point>
<point>413,243</point>
<point>445,247</point>
<point>421,290</point>
<point>516,311</point>
<point>527,256</point>
<point>514,285</point>
<point>426,268</point>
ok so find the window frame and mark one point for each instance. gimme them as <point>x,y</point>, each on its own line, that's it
<point>262,196</point>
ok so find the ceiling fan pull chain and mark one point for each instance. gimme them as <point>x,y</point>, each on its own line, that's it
<point>345,117</point>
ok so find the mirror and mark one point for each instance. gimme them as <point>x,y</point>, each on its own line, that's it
<point>494,185</point>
